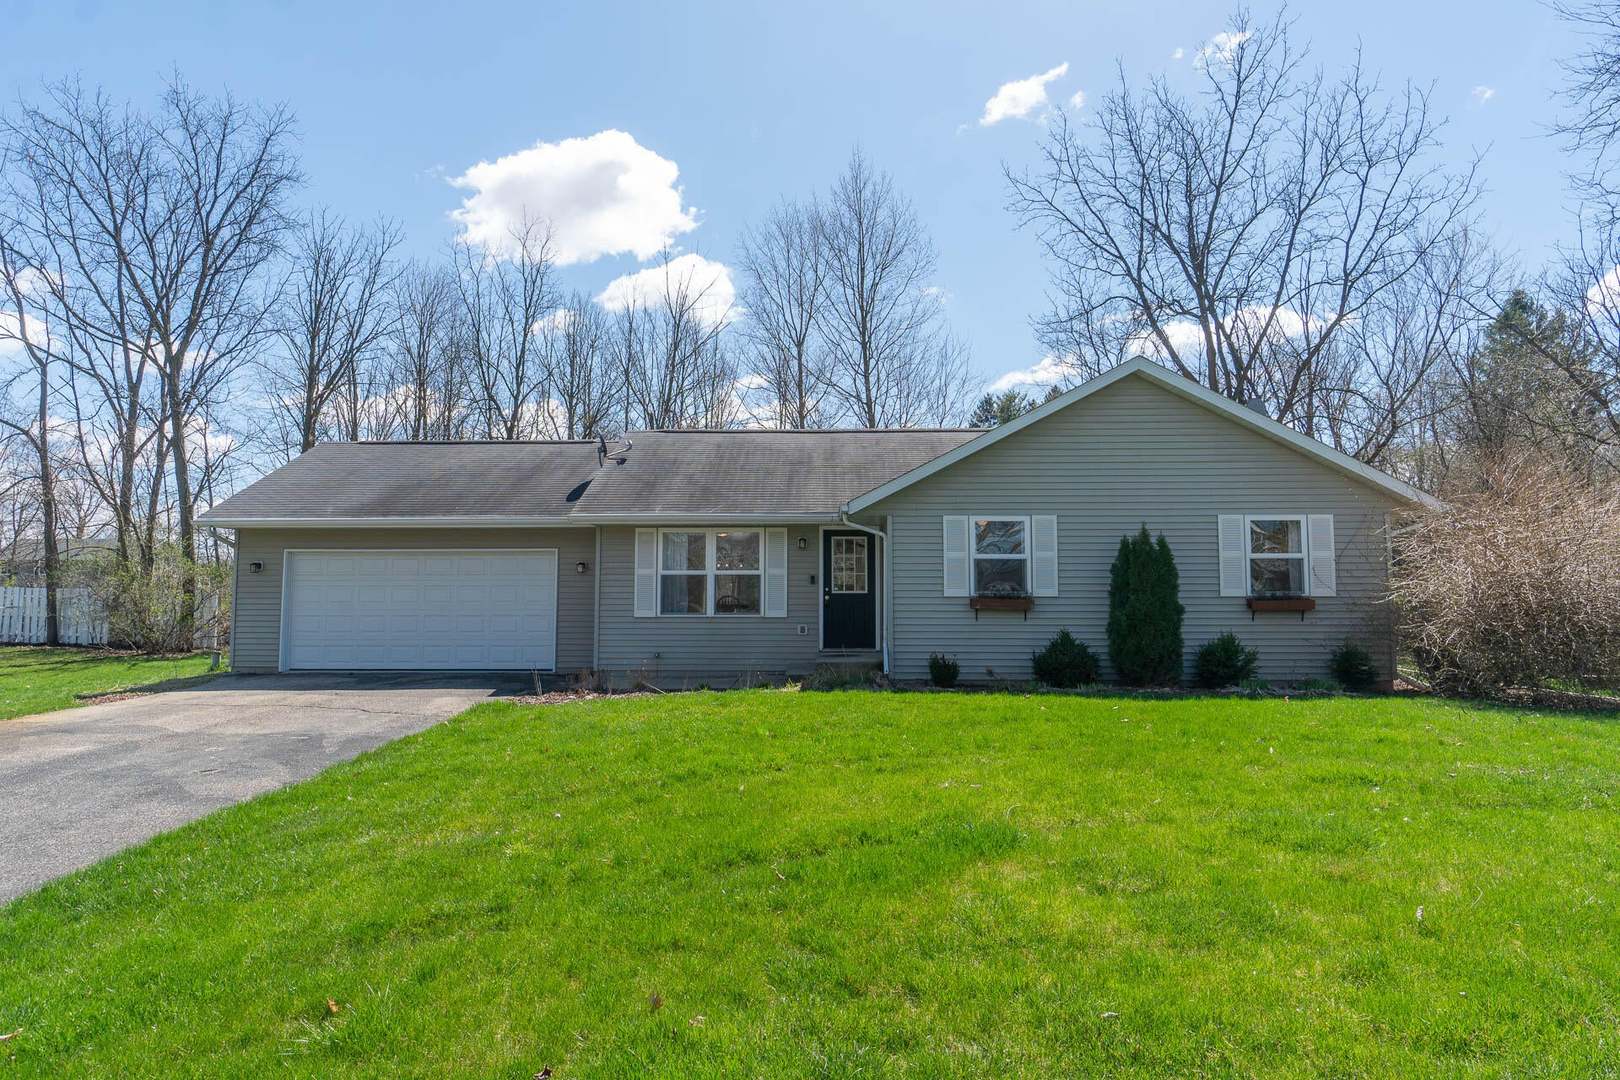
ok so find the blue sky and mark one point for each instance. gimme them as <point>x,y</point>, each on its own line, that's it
<point>750,103</point>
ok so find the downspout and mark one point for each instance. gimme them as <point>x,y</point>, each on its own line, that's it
<point>596,609</point>
<point>884,592</point>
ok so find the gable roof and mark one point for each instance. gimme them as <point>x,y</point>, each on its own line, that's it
<point>753,475</point>
<point>1140,367</point>
<point>758,475</point>
<point>407,483</point>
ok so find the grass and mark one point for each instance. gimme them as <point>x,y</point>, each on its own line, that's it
<point>35,679</point>
<point>775,884</point>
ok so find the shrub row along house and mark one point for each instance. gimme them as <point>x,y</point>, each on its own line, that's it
<point>686,556</point>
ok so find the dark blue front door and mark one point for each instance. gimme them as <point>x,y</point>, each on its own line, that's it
<point>848,591</point>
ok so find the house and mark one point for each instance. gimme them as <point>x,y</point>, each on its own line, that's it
<point>22,562</point>
<point>706,556</point>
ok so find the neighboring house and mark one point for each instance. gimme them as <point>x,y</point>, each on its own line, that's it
<point>705,556</point>
<point>22,563</point>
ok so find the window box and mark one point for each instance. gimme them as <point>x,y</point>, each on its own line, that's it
<point>1301,604</point>
<point>1000,603</point>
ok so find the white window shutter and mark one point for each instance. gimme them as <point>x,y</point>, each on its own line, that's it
<point>958,556</point>
<point>1043,555</point>
<point>646,573</point>
<point>776,573</point>
<point>1323,555</point>
<point>1234,543</point>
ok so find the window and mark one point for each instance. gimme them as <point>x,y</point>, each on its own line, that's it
<point>848,564</point>
<point>1276,556</point>
<point>710,572</point>
<point>1000,556</point>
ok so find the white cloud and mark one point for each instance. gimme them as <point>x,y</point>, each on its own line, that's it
<point>1482,94</point>
<point>603,195</point>
<point>1187,335</point>
<point>1179,53</point>
<point>691,272</point>
<point>1019,98</point>
<point>1604,297</point>
<point>1049,370</point>
<point>1221,48</point>
<point>1078,101</point>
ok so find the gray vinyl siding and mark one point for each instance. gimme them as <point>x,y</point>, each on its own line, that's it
<point>677,650</point>
<point>258,596</point>
<point>1133,453</point>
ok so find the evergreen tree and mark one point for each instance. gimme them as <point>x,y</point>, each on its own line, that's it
<point>1514,393</point>
<point>1145,612</point>
<point>993,410</point>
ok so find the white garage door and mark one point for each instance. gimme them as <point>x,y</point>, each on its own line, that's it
<point>421,610</point>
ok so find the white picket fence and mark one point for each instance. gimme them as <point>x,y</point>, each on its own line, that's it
<point>22,617</point>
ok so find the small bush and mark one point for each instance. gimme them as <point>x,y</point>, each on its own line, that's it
<point>1144,612</point>
<point>1225,662</point>
<point>1065,662</point>
<point>1319,686</point>
<point>145,604</point>
<point>1353,667</point>
<point>942,670</point>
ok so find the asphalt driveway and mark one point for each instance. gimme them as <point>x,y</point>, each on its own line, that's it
<point>81,784</point>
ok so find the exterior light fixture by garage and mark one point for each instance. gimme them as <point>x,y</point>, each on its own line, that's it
<point>582,567</point>
<point>804,542</point>
<point>255,567</point>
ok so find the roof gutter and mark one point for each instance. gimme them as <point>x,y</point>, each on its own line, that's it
<point>481,521</point>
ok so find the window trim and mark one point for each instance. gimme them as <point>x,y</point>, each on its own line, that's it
<point>710,572</point>
<point>974,556</point>
<point>1303,555</point>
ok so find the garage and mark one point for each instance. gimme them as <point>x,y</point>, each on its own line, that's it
<point>473,610</point>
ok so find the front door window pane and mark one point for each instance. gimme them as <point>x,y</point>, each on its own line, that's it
<point>849,564</point>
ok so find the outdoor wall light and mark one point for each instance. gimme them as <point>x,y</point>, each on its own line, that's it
<point>804,542</point>
<point>255,567</point>
<point>582,568</point>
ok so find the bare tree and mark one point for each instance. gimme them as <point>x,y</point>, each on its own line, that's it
<point>22,331</point>
<point>1586,283</point>
<point>580,378</point>
<point>506,297</point>
<point>783,264</point>
<point>891,362</point>
<point>81,173</point>
<point>335,313</point>
<point>212,218</point>
<point>668,354</point>
<point>426,389</point>
<point>153,232</point>
<point>1235,236</point>
<point>1592,92</point>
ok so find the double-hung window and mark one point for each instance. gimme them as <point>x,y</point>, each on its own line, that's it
<point>1001,556</point>
<point>1276,556</point>
<point>710,572</point>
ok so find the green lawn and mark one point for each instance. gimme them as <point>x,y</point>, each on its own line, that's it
<point>864,884</point>
<point>34,679</point>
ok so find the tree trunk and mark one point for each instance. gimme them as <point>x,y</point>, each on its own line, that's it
<point>47,510</point>
<point>185,527</point>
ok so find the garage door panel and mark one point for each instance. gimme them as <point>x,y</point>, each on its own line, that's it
<point>421,610</point>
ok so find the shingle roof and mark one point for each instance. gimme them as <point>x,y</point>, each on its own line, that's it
<point>665,473</point>
<point>756,472</point>
<point>340,481</point>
